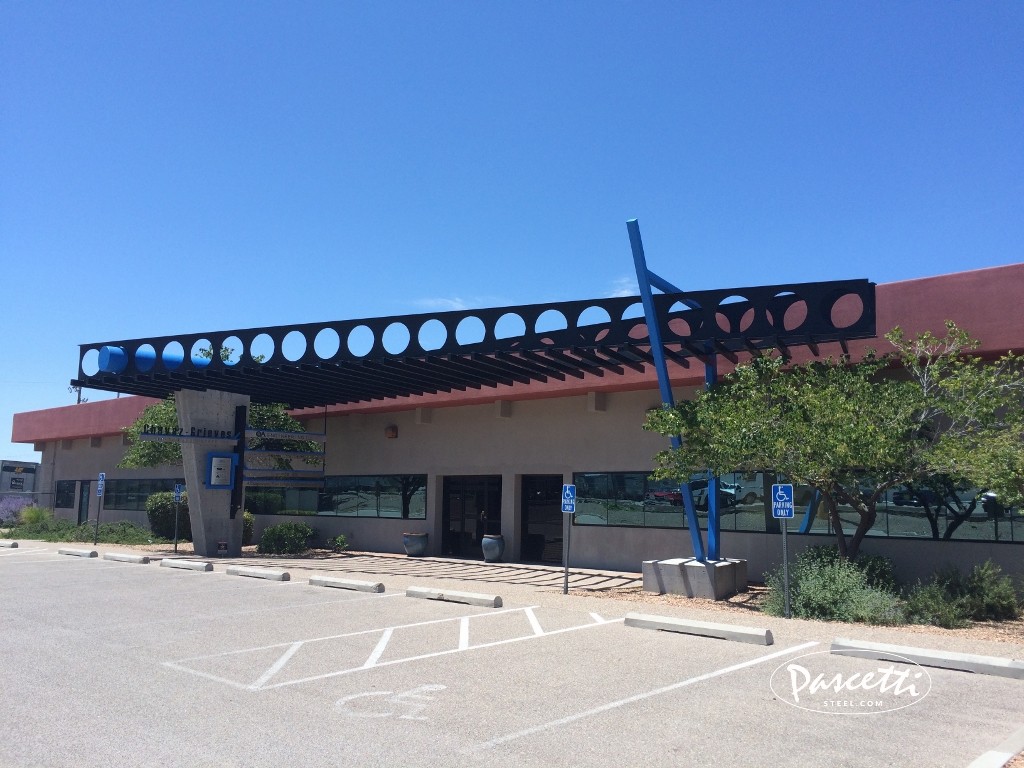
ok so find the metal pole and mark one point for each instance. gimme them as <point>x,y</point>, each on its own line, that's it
<point>568,540</point>
<point>96,530</point>
<point>785,567</point>
<point>177,514</point>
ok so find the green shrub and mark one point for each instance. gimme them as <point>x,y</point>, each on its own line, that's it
<point>339,543</point>
<point>34,515</point>
<point>929,604</point>
<point>952,598</point>
<point>45,528</point>
<point>247,522</point>
<point>878,572</point>
<point>160,508</point>
<point>990,594</point>
<point>119,532</point>
<point>824,586</point>
<point>285,539</point>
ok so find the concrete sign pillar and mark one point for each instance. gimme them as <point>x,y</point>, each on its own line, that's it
<point>209,412</point>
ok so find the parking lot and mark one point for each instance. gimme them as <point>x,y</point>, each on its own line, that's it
<point>122,664</point>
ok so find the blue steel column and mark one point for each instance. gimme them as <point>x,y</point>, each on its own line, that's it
<point>714,519</point>
<point>645,278</point>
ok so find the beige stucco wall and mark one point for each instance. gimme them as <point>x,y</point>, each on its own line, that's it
<point>83,462</point>
<point>549,436</point>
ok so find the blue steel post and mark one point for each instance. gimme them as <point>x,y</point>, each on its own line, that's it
<point>714,519</point>
<point>645,278</point>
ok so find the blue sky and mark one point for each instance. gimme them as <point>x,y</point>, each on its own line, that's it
<point>191,166</point>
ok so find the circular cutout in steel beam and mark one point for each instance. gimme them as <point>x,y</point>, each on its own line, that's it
<point>173,355</point>
<point>432,335</point>
<point>360,341</point>
<point>293,346</point>
<point>327,343</point>
<point>145,358</point>
<point>550,320</point>
<point>91,362</point>
<point>470,330</point>
<point>396,338</point>
<point>231,350</point>
<point>847,310</point>
<point>202,353</point>
<point>262,348</point>
<point>510,326</point>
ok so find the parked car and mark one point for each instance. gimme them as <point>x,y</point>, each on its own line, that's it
<point>904,498</point>
<point>727,494</point>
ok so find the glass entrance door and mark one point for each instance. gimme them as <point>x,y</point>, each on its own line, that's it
<point>470,508</point>
<point>542,518</point>
<point>83,501</point>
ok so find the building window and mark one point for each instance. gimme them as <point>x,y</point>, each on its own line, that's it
<point>95,441</point>
<point>627,499</point>
<point>402,496</point>
<point>67,445</point>
<point>64,494</point>
<point>133,494</point>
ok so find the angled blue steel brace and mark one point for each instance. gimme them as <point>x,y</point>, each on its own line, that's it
<point>812,505</point>
<point>647,280</point>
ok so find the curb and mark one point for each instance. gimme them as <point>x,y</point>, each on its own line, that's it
<point>78,552</point>
<point>701,628</point>
<point>962,662</point>
<point>258,573</point>
<point>123,558</point>
<point>1004,753</point>
<point>468,598</point>
<point>359,586</point>
<point>190,565</point>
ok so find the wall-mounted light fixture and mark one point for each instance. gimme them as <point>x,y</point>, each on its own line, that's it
<point>391,431</point>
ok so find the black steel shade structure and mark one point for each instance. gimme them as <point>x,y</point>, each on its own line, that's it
<point>351,361</point>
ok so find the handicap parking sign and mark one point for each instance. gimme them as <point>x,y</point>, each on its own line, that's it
<point>568,499</point>
<point>782,501</point>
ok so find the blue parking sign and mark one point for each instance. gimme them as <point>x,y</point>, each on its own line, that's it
<point>782,501</point>
<point>568,499</point>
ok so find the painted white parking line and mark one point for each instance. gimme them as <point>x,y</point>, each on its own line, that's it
<point>277,665</point>
<point>633,699</point>
<point>378,651</point>
<point>537,629</point>
<point>21,551</point>
<point>373,660</point>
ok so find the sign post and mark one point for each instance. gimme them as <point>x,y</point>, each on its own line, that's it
<point>783,509</point>
<point>177,512</point>
<point>568,508</point>
<point>101,481</point>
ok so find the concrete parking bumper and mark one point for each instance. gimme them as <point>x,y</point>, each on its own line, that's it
<point>702,628</point>
<point>926,657</point>
<point>468,598</point>
<point>123,557</point>
<point>189,565</point>
<point>78,552</point>
<point>270,574</point>
<point>359,586</point>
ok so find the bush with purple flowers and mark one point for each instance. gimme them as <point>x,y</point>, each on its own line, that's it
<point>10,506</point>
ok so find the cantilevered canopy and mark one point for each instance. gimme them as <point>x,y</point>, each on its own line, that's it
<point>348,361</point>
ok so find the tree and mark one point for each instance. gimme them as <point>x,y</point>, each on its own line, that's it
<point>853,431</point>
<point>164,415</point>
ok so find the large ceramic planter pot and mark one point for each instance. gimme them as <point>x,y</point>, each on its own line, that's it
<point>493,545</point>
<point>415,544</point>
